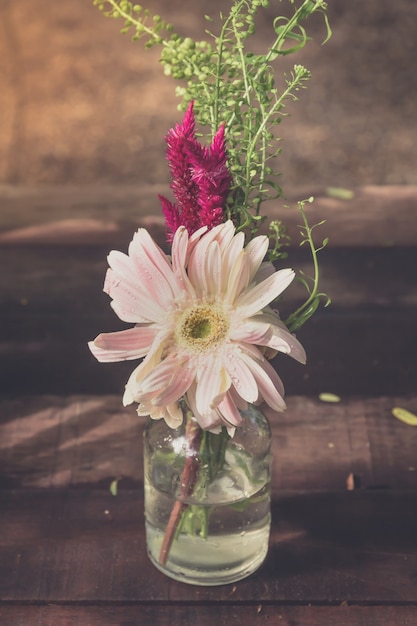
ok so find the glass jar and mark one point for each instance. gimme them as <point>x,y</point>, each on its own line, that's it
<point>207,499</point>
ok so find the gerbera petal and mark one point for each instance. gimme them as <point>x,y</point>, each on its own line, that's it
<point>283,341</point>
<point>173,415</point>
<point>210,420</point>
<point>252,331</point>
<point>153,268</point>
<point>230,254</point>
<point>179,249</point>
<point>130,303</point>
<point>122,266</point>
<point>213,269</point>
<point>133,343</point>
<point>159,378</point>
<point>133,386</point>
<point>240,375</point>
<point>269,383</point>
<point>126,299</point>
<point>179,384</point>
<point>196,266</point>
<point>229,411</point>
<point>223,234</point>
<point>255,299</point>
<point>256,250</point>
<point>238,278</point>
<point>212,383</point>
<point>266,269</point>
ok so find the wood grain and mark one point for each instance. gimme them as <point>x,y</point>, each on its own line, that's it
<point>74,441</point>
<point>200,614</point>
<point>87,546</point>
<point>109,214</point>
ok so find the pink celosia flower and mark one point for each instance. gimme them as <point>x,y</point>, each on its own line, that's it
<point>200,178</point>
<point>202,324</point>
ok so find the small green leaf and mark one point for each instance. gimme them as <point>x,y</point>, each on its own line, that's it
<point>405,416</point>
<point>340,193</point>
<point>113,487</point>
<point>329,397</point>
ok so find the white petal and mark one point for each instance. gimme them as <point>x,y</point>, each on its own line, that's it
<point>266,269</point>
<point>173,415</point>
<point>196,266</point>
<point>238,278</point>
<point>256,250</point>
<point>223,234</point>
<point>230,253</point>
<point>257,298</point>
<point>213,269</point>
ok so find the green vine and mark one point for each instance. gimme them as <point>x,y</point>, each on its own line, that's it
<point>309,307</point>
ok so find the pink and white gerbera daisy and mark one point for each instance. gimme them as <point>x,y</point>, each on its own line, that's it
<point>202,324</point>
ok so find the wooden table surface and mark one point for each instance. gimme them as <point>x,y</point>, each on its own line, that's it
<point>344,534</point>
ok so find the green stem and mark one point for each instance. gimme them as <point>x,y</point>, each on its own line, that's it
<point>296,319</point>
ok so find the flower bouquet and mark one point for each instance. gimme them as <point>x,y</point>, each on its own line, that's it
<point>205,322</point>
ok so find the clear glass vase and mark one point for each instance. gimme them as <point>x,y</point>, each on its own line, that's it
<point>207,499</point>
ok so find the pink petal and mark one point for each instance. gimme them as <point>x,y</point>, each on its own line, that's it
<point>130,303</point>
<point>240,375</point>
<point>174,389</point>
<point>209,420</point>
<point>179,251</point>
<point>284,341</point>
<point>252,331</point>
<point>203,277</point>
<point>212,383</point>
<point>281,339</point>
<point>269,383</point>
<point>229,411</point>
<point>149,363</point>
<point>133,343</point>
<point>153,268</point>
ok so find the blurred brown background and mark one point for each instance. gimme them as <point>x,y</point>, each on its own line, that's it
<point>82,104</point>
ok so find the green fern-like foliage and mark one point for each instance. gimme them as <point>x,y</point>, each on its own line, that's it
<point>230,84</point>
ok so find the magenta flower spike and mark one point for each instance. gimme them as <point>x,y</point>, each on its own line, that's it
<point>200,178</point>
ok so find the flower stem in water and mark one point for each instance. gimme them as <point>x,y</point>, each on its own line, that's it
<point>189,475</point>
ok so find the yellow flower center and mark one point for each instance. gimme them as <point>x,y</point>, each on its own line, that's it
<point>201,327</point>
